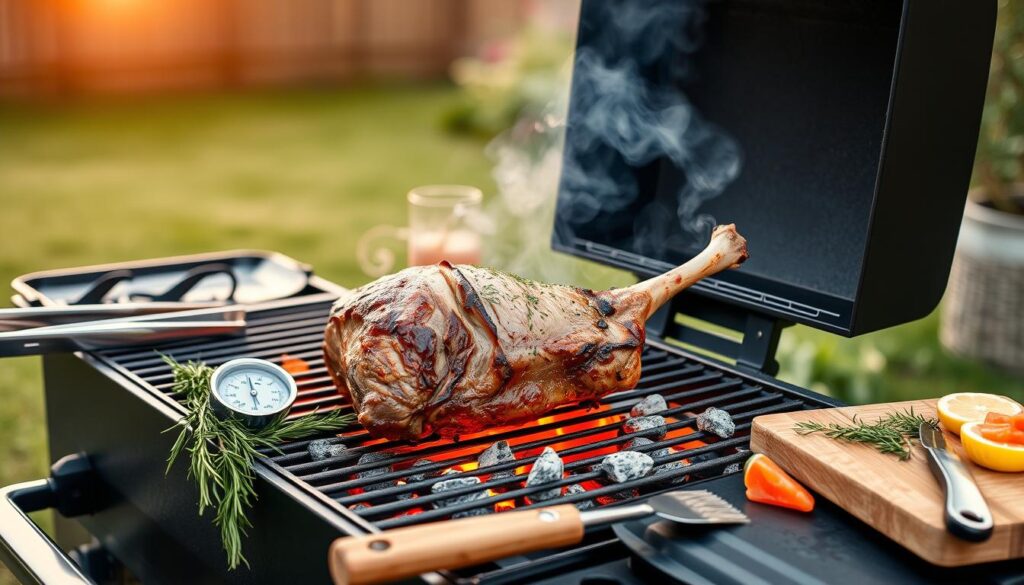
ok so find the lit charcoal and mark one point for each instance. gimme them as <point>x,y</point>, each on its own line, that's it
<point>717,421</point>
<point>547,468</point>
<point>633,444</point>
<point>370,458</point>
<point>732,468</point>
<point>705,473</point>
<point>646,423</point>
<point>671,467</point>
<point>626,466</point>
<point>357,507</point>
<point>618,496</point>
<point>652,404</point>
<point>420,475</point>
<point>457,483</point>
<point>321,449</point>
<point>497,453</point>
<point>578,489</point>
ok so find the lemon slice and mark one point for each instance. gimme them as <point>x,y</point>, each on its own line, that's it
<point>989,453</point>
<point>964,407</point>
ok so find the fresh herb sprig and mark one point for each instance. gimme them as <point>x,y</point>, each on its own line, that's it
<point>889,434</point>
<point>222,451</point>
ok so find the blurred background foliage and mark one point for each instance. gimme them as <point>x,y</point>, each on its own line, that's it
<point>307,171</point>
<point>1000,158</point>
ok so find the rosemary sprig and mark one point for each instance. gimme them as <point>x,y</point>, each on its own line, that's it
<point>222,451</point>
<point>889,434</point>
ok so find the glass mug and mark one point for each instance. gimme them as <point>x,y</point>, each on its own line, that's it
<point>445,223</point>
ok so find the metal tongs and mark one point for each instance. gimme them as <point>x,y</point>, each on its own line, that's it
<point>40,330</point>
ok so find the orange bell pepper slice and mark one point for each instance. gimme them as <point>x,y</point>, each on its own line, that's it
<point>767,483</point>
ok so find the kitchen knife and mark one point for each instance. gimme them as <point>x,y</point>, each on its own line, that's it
<point>967,514</point>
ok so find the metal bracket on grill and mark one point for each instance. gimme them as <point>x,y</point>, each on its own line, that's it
<point>720,330</point>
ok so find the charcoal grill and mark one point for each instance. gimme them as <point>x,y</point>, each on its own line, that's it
<point>830,224</point>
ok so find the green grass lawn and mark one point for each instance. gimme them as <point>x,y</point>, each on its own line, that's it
<point>304,173</point>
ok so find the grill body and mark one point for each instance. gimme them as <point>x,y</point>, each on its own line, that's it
<point>115,406</point>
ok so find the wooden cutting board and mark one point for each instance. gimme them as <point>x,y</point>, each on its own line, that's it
<point>900,499</point>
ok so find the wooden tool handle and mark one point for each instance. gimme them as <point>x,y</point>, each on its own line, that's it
<point>405,552</point>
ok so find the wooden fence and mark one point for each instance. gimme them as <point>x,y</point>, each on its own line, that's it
<point>72,47</point>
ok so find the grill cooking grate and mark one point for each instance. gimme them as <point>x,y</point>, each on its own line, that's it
<point>379,489</point>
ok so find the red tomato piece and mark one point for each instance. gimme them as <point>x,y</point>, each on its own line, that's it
<point>995,432</point>
<point>996,418</point>
<point>1017,437</point>
<point>1018,421</point>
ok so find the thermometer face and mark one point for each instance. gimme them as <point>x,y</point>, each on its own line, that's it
<point>253,389</point>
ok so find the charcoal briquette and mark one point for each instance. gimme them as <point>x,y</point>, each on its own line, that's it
<point>499,452</point>
<point>632,444</point>
<point>578,489</point>
<point>546,469</point>
<point>626,466</point>
<point>370,458</point>
<point>645,424</point>
<point>652,404</point>
<point>716,421</point>
<point>459,483</point>
<point>321,449</point>
<point>667,468</point>
<point>418,476</point>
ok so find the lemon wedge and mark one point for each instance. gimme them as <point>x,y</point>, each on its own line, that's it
<point>991,454</point>
<point>964,407</point>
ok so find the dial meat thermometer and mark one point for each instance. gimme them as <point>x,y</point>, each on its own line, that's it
<point>252,390</point>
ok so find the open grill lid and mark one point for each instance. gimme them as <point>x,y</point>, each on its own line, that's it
<point>838,136</point>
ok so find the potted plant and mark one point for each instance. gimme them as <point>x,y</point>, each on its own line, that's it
<point>983,316</point>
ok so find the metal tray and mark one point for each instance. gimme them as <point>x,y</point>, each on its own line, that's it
<point>254,272</point>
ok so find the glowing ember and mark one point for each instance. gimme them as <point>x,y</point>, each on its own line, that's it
<point>294,365</point>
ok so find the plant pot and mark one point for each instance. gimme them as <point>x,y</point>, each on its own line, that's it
<point>983,314</point>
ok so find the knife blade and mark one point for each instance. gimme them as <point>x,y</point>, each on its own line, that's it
<point>967,515</point>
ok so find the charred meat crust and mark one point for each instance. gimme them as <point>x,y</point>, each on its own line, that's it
<point>471,303</point>
<point>591,354</point>
<point>458,345</point>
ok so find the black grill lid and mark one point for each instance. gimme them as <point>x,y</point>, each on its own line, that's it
<point>838,136</point>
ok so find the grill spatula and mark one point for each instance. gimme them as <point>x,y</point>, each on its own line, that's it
<point>405,552</point>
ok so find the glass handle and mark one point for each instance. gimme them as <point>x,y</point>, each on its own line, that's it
<point>374,256</point>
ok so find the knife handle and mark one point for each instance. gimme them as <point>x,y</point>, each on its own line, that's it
<point>967,514</point>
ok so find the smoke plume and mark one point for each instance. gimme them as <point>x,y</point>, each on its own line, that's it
<point>628,112</point>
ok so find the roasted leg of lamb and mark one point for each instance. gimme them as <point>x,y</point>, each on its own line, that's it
<point>457,349</point>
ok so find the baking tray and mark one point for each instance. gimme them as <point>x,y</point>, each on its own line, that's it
<point>250,269</point>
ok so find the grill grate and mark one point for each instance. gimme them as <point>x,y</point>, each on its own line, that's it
<point>380,490</point>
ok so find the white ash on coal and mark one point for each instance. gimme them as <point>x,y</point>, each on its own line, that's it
<point>626,466</point>
<point>321,449</point>
<point>369,459</point>
<point>716,421</point>
<point>457,483</point>
<point>578,489</point>
<point>548,468</point>
<point>732,468</point>
<point>652,404</point>
<point>415,476</point>
<point>635,443</point>
<point>648,425</point>
<point>668,468</point>
<point>357,507</point>
<point>499,452</point>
